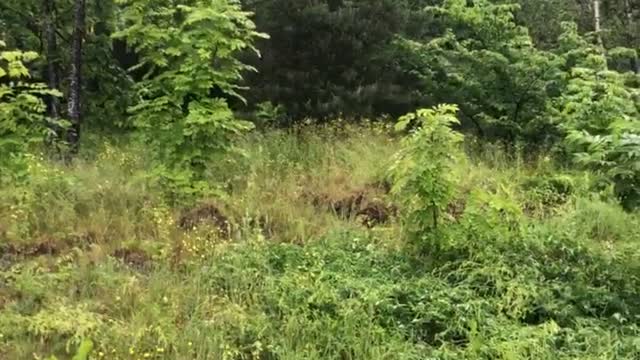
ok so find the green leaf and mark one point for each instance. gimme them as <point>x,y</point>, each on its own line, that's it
<point>85,348</point>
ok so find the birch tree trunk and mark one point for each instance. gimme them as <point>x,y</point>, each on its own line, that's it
<point>597,22</point>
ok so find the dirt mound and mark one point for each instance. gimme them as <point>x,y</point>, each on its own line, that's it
<point>206,214</point>
<point>375,213</point>
<point>11,254</point>
<point>268,225</point>
<point>42,247</point>
<point>364,205</point>
<point>134,257</point>
<point>82,239</point>
<point>350,205</point>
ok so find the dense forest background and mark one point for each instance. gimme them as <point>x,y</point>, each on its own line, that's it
<point>533,72</point>
<point>342,58</point>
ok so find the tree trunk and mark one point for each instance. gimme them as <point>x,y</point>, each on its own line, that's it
<point>597,22</point>
<point>631,36</point>
<point>75,81</point>
<point>53,104</point>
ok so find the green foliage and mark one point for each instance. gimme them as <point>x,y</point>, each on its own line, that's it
<point>335,58</point>
<point>617,156</point>
<point>112,264</point>
<point>550,190</point>
<point>267,114</point>
<point>598,110</point>
<point>595,99</point>
<point>22,120</point>
<point>516,258</point>
<point>492,213</point>
<point>421,170</point>
<point>605,222</point>
<point>85,348</point>
<point>545,18</point>
<point>62,321</point>
<point>188,53</point>
<point>487,64</point>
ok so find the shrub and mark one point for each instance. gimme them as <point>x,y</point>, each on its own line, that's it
<point>189,52</point>
<point>598,112</point>
<point>421,172</point>
<point>548,191</point>
<point>22,119</point>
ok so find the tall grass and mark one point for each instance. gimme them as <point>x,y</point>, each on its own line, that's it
<point>532,263</point>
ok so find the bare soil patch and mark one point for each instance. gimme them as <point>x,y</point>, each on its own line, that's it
<point>134,257</point>
<point>366,205</point>
<point>206,214</point>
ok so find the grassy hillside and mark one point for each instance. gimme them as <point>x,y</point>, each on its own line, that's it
<point>299,253</point>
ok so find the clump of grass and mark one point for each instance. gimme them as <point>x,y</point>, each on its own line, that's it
<point>604,222</point>
<point>274,183</point>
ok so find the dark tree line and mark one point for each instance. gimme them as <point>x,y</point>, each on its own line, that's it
<point>324,58</point>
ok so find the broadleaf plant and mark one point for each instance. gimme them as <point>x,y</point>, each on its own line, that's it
<point>188,51</point>
<point>599,112</point>
<point>23,123</point>
<point>421,171</point>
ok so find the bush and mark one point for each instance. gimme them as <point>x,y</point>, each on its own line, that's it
<point>190,53</point>
<point>22,119</point>
<point>546,192</point>
<point>421,170</point>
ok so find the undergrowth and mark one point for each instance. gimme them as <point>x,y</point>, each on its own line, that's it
<point>285,261</point>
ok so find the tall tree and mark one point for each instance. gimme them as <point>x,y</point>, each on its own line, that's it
<point>49,31</point>
<point>75,79</point>
<point>487,64</point>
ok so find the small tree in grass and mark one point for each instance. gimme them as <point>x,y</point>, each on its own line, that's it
<point>421,171</point>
